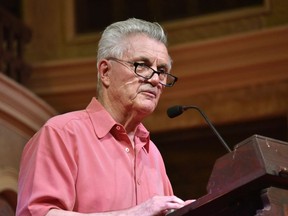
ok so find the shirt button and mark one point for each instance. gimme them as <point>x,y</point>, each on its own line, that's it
<point>127,150</point>
<point>118,128</point>
<point>139,182</point>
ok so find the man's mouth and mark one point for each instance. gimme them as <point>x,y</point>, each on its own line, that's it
<point>151,93</point>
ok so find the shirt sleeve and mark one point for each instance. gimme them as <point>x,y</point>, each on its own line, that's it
<point>47,173</point>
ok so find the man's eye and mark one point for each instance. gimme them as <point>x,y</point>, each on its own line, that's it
<point>140,65</point>
<point>162,70</point>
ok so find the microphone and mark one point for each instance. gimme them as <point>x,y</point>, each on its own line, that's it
<point>177,110</point>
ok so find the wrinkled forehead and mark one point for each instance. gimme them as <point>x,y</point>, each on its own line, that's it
<point>140,46</point>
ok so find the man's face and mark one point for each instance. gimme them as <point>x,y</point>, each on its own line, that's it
<point>129,91</point>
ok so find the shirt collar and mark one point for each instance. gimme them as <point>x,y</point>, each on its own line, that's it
<point>103,122</point>
<point>144,136</point>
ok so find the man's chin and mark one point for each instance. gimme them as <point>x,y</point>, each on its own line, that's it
<point>145,105</point>
<point>147,109</point>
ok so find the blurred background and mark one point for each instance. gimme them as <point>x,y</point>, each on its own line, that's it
<point>231,58</point>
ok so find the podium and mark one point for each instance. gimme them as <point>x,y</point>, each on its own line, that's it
<point>252,180</point>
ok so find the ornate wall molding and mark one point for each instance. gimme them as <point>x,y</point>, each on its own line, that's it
<point>230,19</point>
<point>8,179</point>
<point>22,113</point>
<point>248,69</point>
<point>22,109</point>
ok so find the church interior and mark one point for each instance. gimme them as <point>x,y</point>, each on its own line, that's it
<point>230,57</point>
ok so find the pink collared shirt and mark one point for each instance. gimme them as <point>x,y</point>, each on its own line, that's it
<point>83,161</point>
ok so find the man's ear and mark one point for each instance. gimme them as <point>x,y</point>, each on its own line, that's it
<point>104,68</point>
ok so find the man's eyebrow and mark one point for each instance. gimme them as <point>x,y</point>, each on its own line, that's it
<point>142,58</point>
<point>147,60</point>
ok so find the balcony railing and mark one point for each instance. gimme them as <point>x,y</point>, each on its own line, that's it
<point>14,35</point>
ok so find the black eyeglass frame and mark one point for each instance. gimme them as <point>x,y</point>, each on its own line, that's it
<point>136,64</point>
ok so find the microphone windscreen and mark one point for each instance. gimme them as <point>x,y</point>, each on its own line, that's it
<point>174,111</point>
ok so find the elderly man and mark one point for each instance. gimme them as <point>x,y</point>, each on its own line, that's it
<point>101,161</point>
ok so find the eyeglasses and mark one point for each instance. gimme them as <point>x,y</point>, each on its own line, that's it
<point>146,72</point>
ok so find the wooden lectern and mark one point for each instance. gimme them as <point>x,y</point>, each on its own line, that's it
<point>252,180</point>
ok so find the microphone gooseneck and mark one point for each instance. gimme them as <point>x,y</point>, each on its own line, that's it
<point>177,110</point>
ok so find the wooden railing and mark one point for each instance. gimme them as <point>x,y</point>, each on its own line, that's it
<point>14,35</point>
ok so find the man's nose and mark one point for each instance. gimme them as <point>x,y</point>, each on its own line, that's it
<point>155,80</point>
